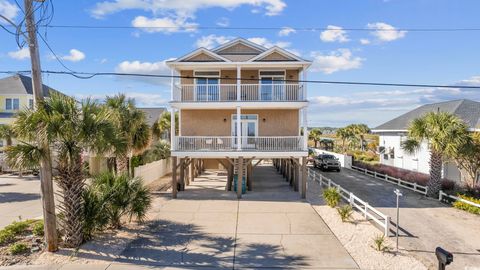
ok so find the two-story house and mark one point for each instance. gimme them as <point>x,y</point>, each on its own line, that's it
<point>236,103</point>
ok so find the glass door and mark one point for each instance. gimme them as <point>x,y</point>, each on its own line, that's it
<point>248,129</point>
<point>207,85</point>
<point>272,85</point>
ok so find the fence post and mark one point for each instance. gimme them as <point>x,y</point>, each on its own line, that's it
<point>387,226</point>
<point>366,209</point>
<point>375,174</point>
<point>440,195</point>
<point>386,177</point>
<point>350,199</point>
<point>329,183</point>
<point>414,186</point>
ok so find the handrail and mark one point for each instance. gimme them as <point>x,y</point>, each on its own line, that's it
<point>230,143</point>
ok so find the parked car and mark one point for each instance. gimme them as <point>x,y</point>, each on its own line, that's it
<point>327,162</point>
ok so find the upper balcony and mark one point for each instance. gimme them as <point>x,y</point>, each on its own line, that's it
<point>201,93</point>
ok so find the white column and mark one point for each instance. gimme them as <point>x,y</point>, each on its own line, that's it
<point>304,84</point>
<point>305,131</point>
<point>172,84</point>
<point>239,130</point>
<point>172,129</point>
<point>179,121</point>
<point>239,75</point>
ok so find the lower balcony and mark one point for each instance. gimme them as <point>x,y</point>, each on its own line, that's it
<point>231,144</point>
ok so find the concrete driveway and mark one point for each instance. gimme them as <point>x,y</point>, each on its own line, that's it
<point>425,223</point>
<point>19,198</point>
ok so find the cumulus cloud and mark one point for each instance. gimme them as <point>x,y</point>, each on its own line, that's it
<point>152,68</point>
<point>9,10</point>
<point>286,31</point>
<point>20,54</point>
<point>364,41</point>
<point>338,60</point>
<point>185,8</point>
<point>74,56</point>
<point>385,32</point>
<point>164,25</point>
<point>223,22</point>
<point>212,41</point>
<point>334,34</point>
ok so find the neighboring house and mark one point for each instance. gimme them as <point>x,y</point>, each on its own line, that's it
<point>152,114</point>
<point>394,132</point>
<point>16,93</point>
<point>239,100</point>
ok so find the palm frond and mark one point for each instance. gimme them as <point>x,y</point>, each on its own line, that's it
<point>411,146</point>
<point>23,156</point>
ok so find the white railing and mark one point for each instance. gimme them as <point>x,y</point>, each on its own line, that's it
<point>229,143</point>
<point>248,92</point>
<point>402,183</point>
<point>368,211</point>
<point>442,196</point>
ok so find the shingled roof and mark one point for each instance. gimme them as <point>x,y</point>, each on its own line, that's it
<point>20,85</point>
<point>465,109</point>
<point>152,114</point>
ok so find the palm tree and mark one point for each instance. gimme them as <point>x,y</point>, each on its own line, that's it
<point>162,126</point>
<point>360,130</point>
<point>7,134</point>
<point>344,134</point>
<point>445,134</point>
<point>132,128</point>
<point>315,135</point>
<point>69,129</point>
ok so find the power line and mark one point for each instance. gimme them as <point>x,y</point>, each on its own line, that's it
<point>89,75</point>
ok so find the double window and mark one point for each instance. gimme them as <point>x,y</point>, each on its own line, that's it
<point>12,104</point>
<point>206,85</point>
<point>272,85</point>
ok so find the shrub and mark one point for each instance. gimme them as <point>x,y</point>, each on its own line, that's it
<point>18,248</point>
<point>38,228</point>
<point>6,236</point>
<point>345,212</point>
<point>331,196</point>
<point>379,243</point>
<point>467,207</point>
<point>448,184</point>
<point>18,227</point>
<point>110,198</point>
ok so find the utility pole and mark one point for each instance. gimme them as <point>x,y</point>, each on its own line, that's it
<point>46,184</point>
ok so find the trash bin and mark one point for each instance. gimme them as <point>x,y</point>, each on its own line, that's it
<point>244,183</point>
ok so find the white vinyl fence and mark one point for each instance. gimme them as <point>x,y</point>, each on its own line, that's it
<point>367,210</point>
<point>345,160</point>
<point>153,170</point>
<point>442,196</point>
<point>402,183</point>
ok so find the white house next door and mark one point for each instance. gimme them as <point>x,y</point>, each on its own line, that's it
<point>248,128</point>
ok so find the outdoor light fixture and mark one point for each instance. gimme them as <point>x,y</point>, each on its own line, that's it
<point>264,120</point>
<point>225,120</point>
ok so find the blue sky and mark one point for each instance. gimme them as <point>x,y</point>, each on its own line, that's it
<point>394,56</point>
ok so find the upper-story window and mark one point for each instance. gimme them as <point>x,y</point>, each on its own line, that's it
<point>272,85</point>
<point>206,85</point>
<point>12,104</point>
<point>30,103</point>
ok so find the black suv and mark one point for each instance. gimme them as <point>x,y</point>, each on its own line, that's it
<point>327,162</point>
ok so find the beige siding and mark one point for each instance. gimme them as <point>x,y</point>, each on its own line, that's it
<point>275,56</point>
<point>218,122</point>
<point>202,57</point>
<point>238,48</point>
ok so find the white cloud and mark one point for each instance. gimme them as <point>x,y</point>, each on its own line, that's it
<point>334,34</point>
<point>21,54</point>
<point>165,25</point>
<point>141,99</point>
<point>386,32</point>
<point>152,68</point>
<point>341,59</point>
<point>74,56</point>
<point>212,41</point>
<point>268,44</point>
<point>286,31</point>
<point>223,22</point>
<point>184,8</point>
<point>364,41</point>
<point>8,10</point>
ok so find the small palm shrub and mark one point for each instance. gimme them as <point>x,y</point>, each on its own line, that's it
<point>18,248</point>
<point>110,198</point>
<point>345,212</point>
<point>379,243</point>
<point>331,196</point>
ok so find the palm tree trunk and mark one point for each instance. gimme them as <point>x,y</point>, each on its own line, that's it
<point>435,182</point>
<point>71,182</point>
<point>122,164</point>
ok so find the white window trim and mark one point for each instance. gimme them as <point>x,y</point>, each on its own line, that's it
<point>206,76</point>
<point>234,119</point>
<point>273,76</point>
<point>12,102</point>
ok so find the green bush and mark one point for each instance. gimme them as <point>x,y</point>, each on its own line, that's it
<point>467,207</point>
<point>18,248</point>
<point>6,236</point>
<point>345,212</point>
<point>18,227</point>
<point>111,197</point>
<point>331,196</point>
<point>38,228</point>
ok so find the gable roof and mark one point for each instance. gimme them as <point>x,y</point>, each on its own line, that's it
<point>276,50</point>
<point>255,48</point>
<point>199,51</point>
<point>21,85</point>
<point>152,114</point>
<point>465,109</point>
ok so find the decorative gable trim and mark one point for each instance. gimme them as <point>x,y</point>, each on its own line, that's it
<point>242,41</point>
<point>200,51</point>
<point>278,50</point>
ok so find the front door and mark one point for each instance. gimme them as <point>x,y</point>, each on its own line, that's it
<point>248,129</point>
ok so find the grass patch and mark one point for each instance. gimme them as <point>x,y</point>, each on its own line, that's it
<point>18,248</point>
<point>38,228</point>
<point>467,207</point>
<point>8,233</point>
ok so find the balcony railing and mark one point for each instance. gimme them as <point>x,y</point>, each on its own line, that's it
<point>250,144</point>
<point>229,92</point>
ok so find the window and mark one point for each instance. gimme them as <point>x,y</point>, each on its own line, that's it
<point>12,104</point>
<point>30,103</point>
<point>273,85</point>
<point>206,87</point>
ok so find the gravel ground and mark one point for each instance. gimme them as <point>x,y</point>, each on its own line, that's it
<point>357,237</point>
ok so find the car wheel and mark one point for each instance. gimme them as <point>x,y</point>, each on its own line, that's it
<point>338,170</point>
